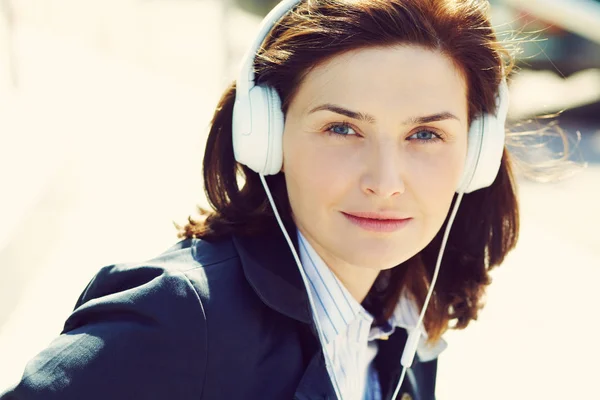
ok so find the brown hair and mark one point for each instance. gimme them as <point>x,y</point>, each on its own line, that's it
<point>487,223</point>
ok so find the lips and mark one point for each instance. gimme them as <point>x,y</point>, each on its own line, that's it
<point>377,222</point>
<point>383,215</point>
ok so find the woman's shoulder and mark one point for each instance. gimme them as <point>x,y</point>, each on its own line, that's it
<point>164,274</point>
<point>141,326</point>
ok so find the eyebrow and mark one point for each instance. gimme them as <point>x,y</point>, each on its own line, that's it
<point>442,116</point>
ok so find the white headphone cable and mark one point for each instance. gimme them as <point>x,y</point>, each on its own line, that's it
<point>410,348</point>
<point>412,342</point>
<point>328,362</point>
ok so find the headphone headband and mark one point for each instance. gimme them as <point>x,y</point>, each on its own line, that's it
<point>245,80</point>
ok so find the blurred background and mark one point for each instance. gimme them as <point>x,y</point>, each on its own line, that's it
<point>104,107</point>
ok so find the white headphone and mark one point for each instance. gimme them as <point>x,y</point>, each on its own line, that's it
<point>257,127</point>
<point>258,122</point>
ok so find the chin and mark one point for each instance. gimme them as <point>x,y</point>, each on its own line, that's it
<point>375,260</point>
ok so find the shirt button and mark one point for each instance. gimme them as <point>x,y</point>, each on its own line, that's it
<point>406,396</point>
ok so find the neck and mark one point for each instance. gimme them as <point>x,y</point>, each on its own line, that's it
<point>357,280</point>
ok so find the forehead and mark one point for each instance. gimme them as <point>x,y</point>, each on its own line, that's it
<point>394,78</point>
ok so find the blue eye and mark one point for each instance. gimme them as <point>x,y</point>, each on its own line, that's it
<point>341,129</point>
<point>425,136</point>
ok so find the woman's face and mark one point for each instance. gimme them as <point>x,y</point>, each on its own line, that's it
<point>353,144</point>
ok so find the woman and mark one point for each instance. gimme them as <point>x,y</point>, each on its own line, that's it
<point>331,169</point>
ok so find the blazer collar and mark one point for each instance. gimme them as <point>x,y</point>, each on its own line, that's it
<point>315,384</point>
<point>271,270</point>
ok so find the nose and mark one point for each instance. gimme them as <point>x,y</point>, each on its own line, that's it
<point>384,173</point>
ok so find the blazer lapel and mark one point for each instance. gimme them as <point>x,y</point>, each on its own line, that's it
<point>272,272</point>
<point>315,383</point>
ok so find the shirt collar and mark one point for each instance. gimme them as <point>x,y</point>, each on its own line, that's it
<point>406,315</point>
<point>336,308</point>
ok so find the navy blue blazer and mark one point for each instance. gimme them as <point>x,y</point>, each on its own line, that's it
<point>226,319</point>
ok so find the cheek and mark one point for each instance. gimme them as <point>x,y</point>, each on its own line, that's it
<point>315,175</point>
<point>435,181</point>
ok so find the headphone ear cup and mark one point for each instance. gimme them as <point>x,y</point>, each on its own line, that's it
<point>485,146</point>
<point>276,121</point>
<point>474,139</point>
<point>257,130</point>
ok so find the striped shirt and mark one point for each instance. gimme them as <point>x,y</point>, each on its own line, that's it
<point>350,340</point>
